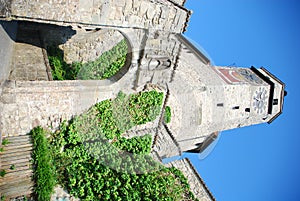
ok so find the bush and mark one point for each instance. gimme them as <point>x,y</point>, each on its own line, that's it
<point>44,171</point>
<point>5,142</point>
<point>97,163</point>
<point>105,66</point>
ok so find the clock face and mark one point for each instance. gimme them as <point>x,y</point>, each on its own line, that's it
<point>260,100</point>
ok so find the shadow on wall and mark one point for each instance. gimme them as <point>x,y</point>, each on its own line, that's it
<point>74,43</point>
<point>8,32</point>
<point>42,35</point>
<point>10,28</point>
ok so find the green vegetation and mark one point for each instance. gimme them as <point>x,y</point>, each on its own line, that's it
<point>135,145</point>
<point>2,198</point>
<point>1,149</point>
<point>106,66</point>
<point>12,167</point>
<point>167,115</point>
<point>95,162</point>
<point>2,173</point>
<point>117,116</point>
<point>5,142</point>
<point>44,171</point>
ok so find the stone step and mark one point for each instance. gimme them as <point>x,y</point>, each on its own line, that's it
<point>16,147</point>
<point>6,156</point>
<point>16,176</point>
<point>18,168</point>
<point>20,165</point>
<point>15,161</point>
<point>18,189</point>
<point>20,149</point>
<point>12,157</point>
<point>20,138</point>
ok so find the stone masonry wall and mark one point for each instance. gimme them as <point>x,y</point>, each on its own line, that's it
<point>159,58</point>
<point>161,15</point>
<point>164,145</point>
<point>89,45</point>
<point>197,185</point>
<point>27,104</point>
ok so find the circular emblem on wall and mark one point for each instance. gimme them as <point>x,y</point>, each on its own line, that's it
<point>260,100</point>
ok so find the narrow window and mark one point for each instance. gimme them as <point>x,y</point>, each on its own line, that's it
<point>220,104</point>
<point>247,110</point>
<point>236,108</point>
<point>275,102</point>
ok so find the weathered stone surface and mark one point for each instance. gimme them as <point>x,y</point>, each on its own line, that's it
<point>89,45</point>
<point>100,12</point>
<point>164,145</point>
<point>197,185</point>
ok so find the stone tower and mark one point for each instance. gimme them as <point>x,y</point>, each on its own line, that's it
<point>204,99</point>
<point>209,99</point>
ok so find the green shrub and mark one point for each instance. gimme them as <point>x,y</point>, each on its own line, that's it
<point>136,145</point>
<point>97,163</point>
<point>5,142</point>
<point>167,115</point>
<point>44,171</point>
<point>2,173</point>
<point>105,66</point>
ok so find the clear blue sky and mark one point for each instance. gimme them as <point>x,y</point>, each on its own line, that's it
<point>261,162</point>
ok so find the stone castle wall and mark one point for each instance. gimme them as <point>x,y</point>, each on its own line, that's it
<point>89,45</point>
<point>157,14</point>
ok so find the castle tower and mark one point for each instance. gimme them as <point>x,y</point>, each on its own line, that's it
<point>209,99</point>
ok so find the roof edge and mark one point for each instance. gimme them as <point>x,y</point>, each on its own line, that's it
<point>200,179</point>
<point>195,50</point>
<point>281,95</point>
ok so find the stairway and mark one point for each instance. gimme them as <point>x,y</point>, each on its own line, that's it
<point>15,160</point>
<point>28,62</point>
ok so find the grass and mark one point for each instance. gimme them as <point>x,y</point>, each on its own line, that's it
<point>44,171</point>
<point>5,142</point>
<point>105,66</point>
<point>167,115</point>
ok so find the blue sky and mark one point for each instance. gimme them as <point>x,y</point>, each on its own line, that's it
<point>259,162</point>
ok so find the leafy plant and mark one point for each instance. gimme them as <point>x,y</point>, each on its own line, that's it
<point>2,173</point>
<point>105,66</point>
<point>12,167</point>
<point>3,197</point>
<point>167,115</point>
<point>5,142</point>
<point>95,162</point>
<point>1,149</point>
<point>44,172</point>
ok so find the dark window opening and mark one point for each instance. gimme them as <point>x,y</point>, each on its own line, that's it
<point>236,108</point>
<point>247,110</point>
<point>275,101</point>
<point>220,104</point>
